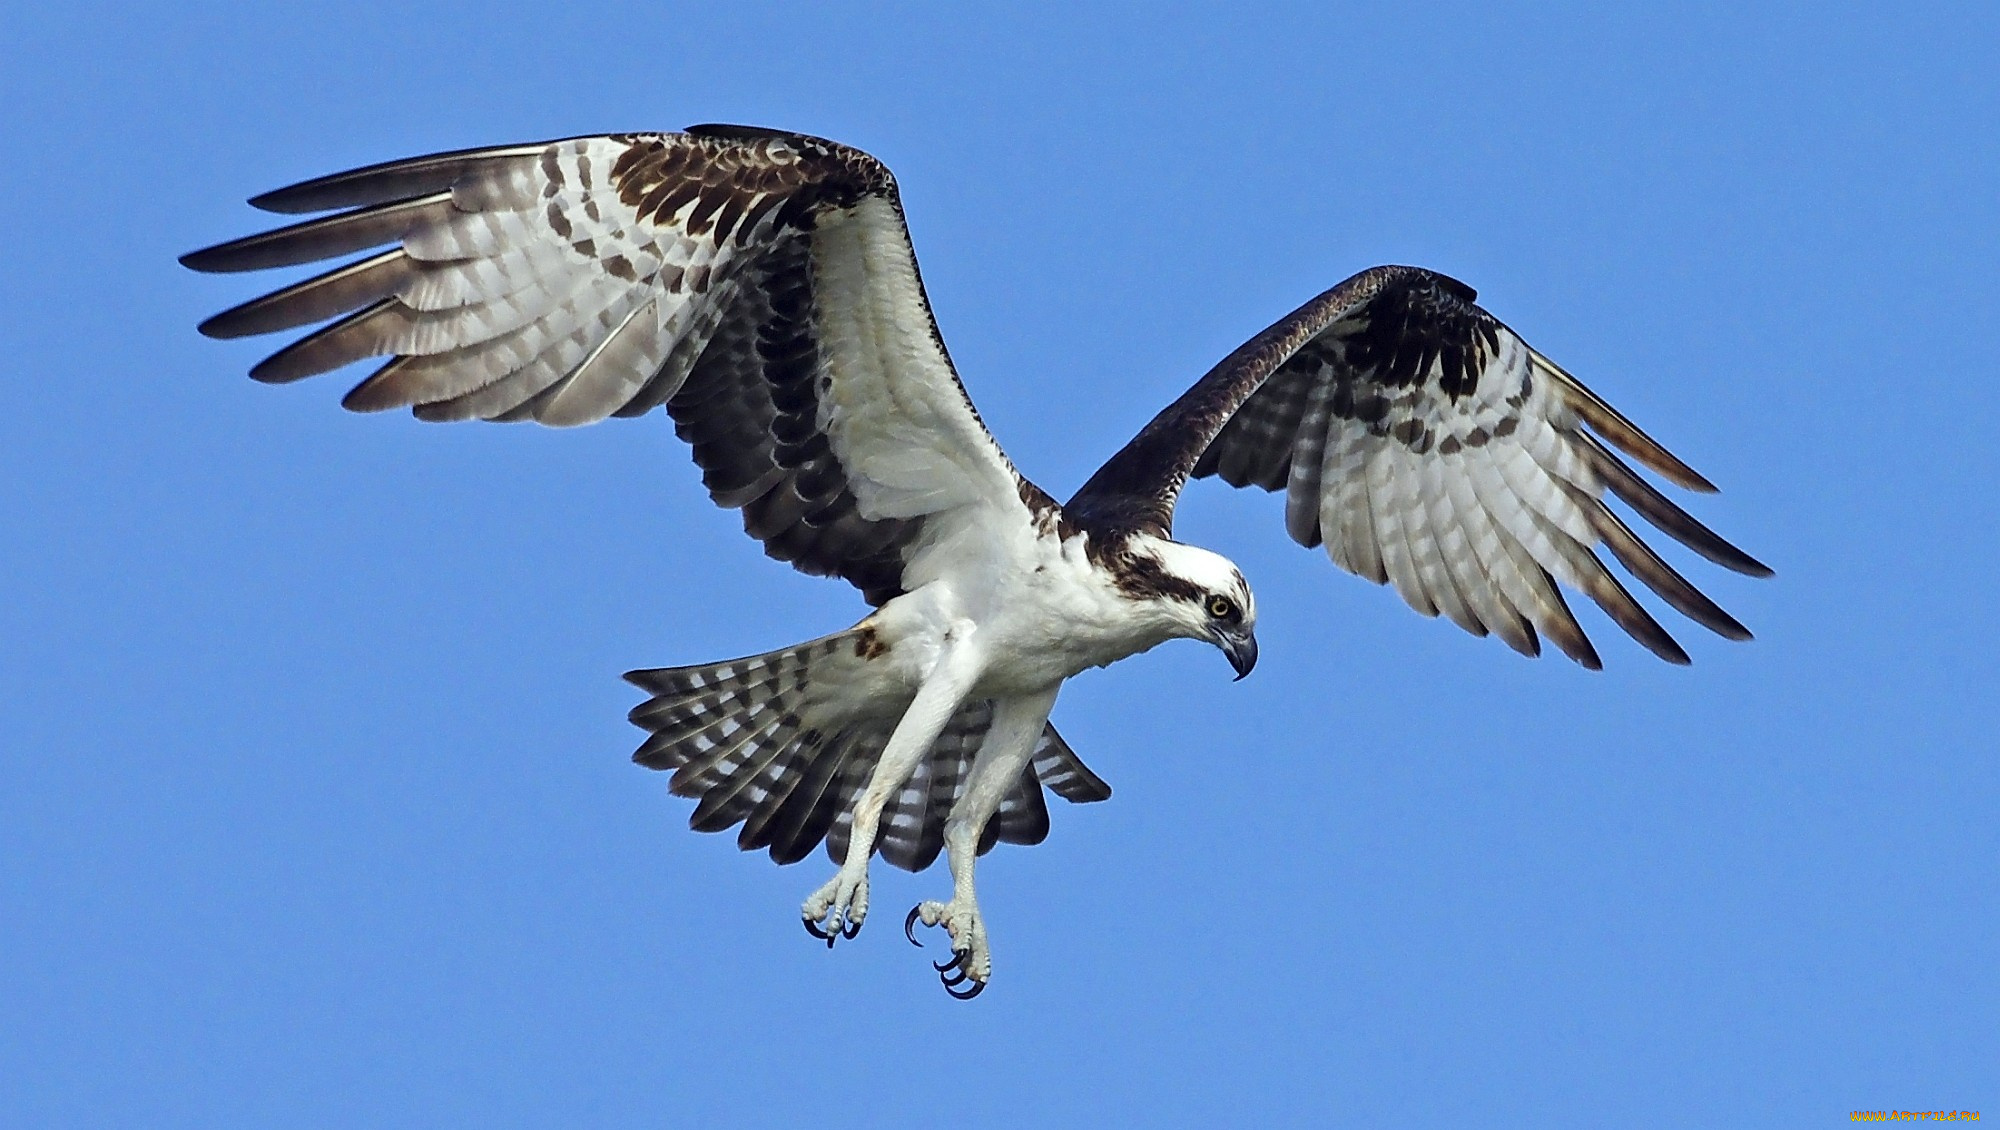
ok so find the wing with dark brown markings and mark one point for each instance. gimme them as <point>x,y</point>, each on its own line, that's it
<point>758,284</point>
<point>1428,447</point>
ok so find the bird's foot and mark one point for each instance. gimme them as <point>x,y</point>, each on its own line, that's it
<point>971,964</point>
<point>837,909</point>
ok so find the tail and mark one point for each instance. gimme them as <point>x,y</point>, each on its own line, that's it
<point>761,741</point>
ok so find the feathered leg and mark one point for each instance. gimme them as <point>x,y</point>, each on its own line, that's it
<point>839,907</point>
<point>1017,727</point>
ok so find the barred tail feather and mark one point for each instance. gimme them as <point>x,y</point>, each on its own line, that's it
<point>753,744</point>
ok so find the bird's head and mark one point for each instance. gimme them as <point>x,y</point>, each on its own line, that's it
<point>1194,594</point>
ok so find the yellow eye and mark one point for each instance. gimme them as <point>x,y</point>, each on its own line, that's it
<point>1220,607</point>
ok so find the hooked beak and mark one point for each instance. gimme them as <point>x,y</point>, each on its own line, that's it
<point>1241,648</point>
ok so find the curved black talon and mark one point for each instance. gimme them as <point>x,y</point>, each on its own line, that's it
<point>813,929</point>
<point>954,974</point>
<point>848,931</point>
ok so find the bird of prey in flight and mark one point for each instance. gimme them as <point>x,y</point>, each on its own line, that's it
<point>761,287</point>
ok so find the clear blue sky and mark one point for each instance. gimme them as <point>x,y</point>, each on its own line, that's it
<point>317,808</point>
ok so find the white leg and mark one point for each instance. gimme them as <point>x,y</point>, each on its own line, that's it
<point>1010,742</point>
<point>839,907</point>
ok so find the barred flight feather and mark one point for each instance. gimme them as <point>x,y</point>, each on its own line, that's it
<point>1429,448</point>
<point>567,281</point>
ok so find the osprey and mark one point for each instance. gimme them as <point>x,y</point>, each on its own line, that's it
<point>761,287</point>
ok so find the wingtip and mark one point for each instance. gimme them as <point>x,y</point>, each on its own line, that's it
<point>1669,649</point>
<point>358,400</point>
<point>294,199</point>
<point>1728,627</point>
<point>206,260</point>
<point>272,370</point>
<point>1529,647</point>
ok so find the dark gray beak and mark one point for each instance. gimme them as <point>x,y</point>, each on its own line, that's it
<point>1241,648</point>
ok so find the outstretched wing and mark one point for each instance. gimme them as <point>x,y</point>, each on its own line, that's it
<point>760,285</point>
<point>1429,447</point>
